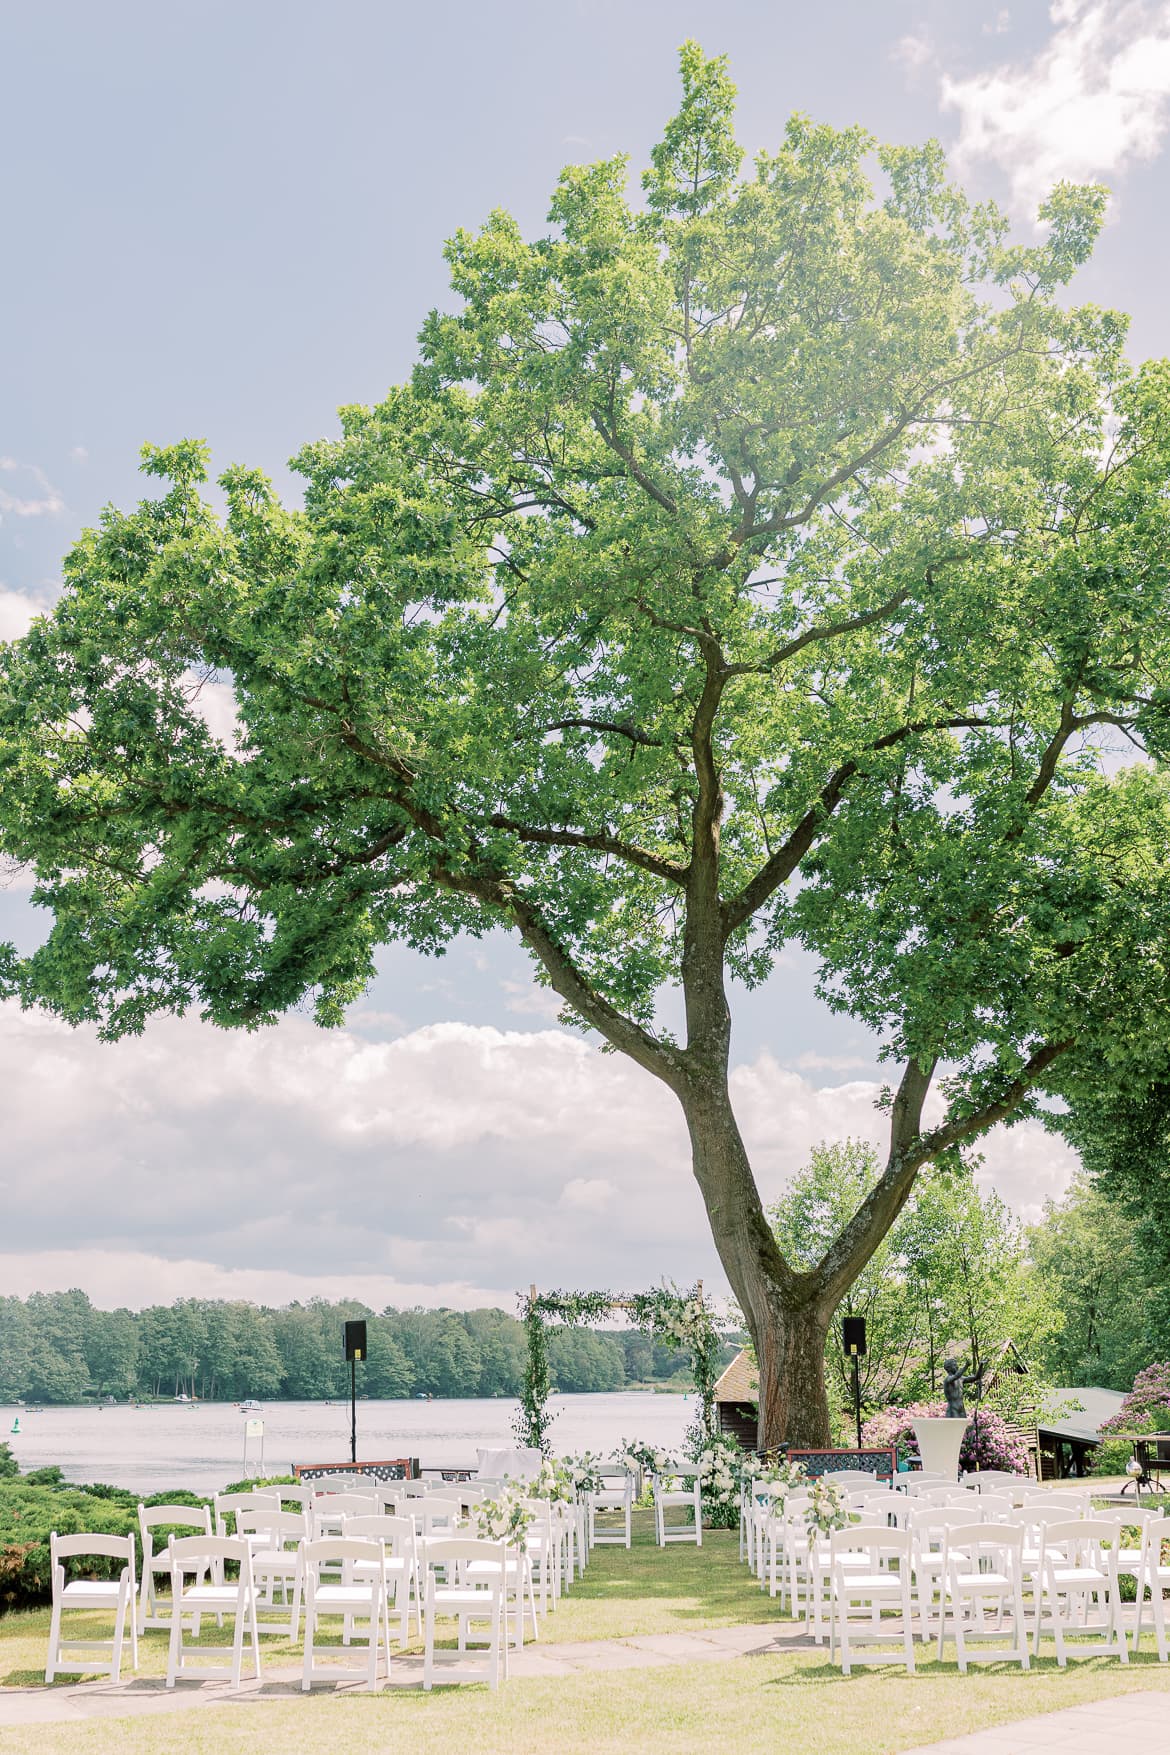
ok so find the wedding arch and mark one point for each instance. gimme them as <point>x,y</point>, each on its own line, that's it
<point>679,1319</point>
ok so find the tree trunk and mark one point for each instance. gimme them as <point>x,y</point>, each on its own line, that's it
<point>784,1312</point>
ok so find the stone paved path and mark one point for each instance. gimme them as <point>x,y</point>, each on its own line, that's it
<point>1130,1724</point>
<point>88,1700</point>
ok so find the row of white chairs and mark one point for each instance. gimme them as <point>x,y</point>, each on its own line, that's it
<point>673,1491</point>
<point>285,1561</point>
<point>346,1577</point>
<point>797,1562</point>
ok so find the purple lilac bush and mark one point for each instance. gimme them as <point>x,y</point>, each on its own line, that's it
<point>997,1448</point>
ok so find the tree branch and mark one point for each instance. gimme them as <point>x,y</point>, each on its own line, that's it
<point>738,909</point>
<point>530,833</point>
<point>660,1058</point>
<point>826,631</point>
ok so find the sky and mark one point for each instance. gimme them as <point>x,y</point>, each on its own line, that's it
<point>225,221</point>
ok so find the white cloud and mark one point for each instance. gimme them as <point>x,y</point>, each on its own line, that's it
<point>810,1061</point>
<point>529,998</point>
<point>134,1278</point>
<point>16,613</point>
<point>1091,102</point>
<point>588,1194</point>
<point>44,501</point>
<point>455,1156</point>
<point>913,52</point>
<point>79,454</point>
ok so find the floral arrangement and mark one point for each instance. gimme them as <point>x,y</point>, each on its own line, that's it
<point>643,1456</point>
<point>554,1481</point>
<point>720,1465</point>
<point>583,1472</point>
<point>505,1518</point>
<point>826,1510</point>
<point>994,1447</point>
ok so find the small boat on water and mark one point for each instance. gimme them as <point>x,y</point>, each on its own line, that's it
<point>250,1407</point>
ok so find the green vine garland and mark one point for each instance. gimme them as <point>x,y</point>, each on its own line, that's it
<point>679,1319</point>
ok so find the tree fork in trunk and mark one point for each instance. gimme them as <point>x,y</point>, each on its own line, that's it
<point>786,1317</point>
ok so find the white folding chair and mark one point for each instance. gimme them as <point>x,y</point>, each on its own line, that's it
<point>542,1552</point>
<point>917,1481</point>
<point>472,1591</point>
<point>1153,1576</point>
<point>983,1572</point>
<point>1078,1591</point>
<point>275,1539</point>
<point>671,1495</point>
<point>619,1498</point>
<point>196,1518</point>
<point>929,1526</point>
<point>301,1496</point>
<point>116,1596</point>
<point>227,1504</point>
<point>399,1564</point>
<point>205,1559</point>
<point>329,1510</point>
<point>879,1579</point>
<point>357,1594</point>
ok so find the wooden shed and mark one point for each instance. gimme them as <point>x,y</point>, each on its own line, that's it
<point>736,1400</point>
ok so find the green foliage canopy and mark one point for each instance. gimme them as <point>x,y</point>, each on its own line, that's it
<point>768,488</point>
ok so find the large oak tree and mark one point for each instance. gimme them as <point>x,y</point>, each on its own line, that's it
<point>762,560</point>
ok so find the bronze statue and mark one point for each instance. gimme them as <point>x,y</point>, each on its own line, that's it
<point>954,1384</point>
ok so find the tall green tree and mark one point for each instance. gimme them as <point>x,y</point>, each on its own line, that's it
<point>752,563</point>
<point>1089,1252</point>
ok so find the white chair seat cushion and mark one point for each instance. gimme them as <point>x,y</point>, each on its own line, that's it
<point>212,1598</point>
<point>91,1592</point>
<point>341,1597</point>
<point>877,1583</point>
<point>989,1580</point>
<point>452,1598</point>
<point>1076,1575</point>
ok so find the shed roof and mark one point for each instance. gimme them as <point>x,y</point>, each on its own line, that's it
<point>740,1382</point>
<point>1097,1405</point>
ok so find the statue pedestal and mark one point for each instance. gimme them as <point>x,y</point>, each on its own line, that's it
<point>939,1441</point>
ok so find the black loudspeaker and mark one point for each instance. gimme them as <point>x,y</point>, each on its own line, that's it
<point>853,1335</point>
<point>355,1340</point>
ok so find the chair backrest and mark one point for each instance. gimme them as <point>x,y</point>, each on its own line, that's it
<point>416,1489</point>
<point>1078,1536</point>
<point>329,1508</point>
<point>187,1517</point>
<point>397,1533</point>
<point>100,1546</point>
<point>930,1523</point>
<point>976,1541</point>
<point>388,1494</point>
<point>460,1550</point>
<point>995,1505</point>
<point>194,1553</point>
<point>328,1550</point>
<point>227,1504</point>
<point>446,1513</point>
<point>282,1528</point>
<point>301,1495</point>
<point>872,1539</point>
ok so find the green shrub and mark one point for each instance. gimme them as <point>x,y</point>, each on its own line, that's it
<point>9,1467</point>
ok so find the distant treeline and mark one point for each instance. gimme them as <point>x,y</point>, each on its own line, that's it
<point>56,1347</point>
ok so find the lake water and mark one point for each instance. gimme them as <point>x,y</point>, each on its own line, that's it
<point>201,1445</point>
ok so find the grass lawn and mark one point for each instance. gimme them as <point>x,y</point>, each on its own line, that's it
<point>794,1701</point>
